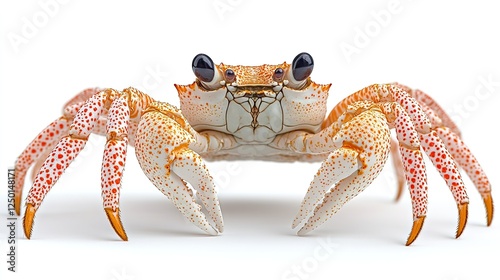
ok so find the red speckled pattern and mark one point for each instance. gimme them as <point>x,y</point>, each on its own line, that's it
<point>353,142</point>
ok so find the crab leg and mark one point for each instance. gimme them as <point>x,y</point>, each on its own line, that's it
<point>450,135</point>
<point>68,148</point>
<point>37,151</point>
<point>413,164</point>
<point>162,148</point>
<point>113,162</point>
<point>466,160</point>
<point>433,147</point>
<point>426,100</point>
<point>398,168</point>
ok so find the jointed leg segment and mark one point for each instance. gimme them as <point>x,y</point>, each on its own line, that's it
<point>455,154</point>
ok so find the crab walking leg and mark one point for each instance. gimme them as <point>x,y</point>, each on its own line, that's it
<point>63,154</point>
<point>444,163</point>
<point>41,159</point>
<point>426,100</point>
<point>37,151</point>
<point>412,161</point>
<point>113,163</point>
<point>162,149</point>
<point>34,153</point>
<point>466,160</point>
<point>438,154</point>
<point>442,159</point>
<point>99,129</point>
<point>398,168</point>
<point>437,117</point>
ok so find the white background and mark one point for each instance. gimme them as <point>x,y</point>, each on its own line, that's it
<point>443,48</point>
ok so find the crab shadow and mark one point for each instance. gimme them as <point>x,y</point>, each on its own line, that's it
<point>155,216</point>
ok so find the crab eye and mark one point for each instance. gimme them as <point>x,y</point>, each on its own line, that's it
<point>203,67</point>
<point>302,66</point>
<point>278,75</point>
<point>230,76</point>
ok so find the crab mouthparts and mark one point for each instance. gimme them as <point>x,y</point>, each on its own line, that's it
<point>255,90</point>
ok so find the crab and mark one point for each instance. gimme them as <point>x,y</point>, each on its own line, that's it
<point>266,112</point>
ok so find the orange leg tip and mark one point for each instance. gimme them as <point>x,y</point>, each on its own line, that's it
<point>463,210</point>
<point>488,203</point>
<point>17,203</point>
<point>28,219</point>
<point>415,230</point>
<point>116,222</point>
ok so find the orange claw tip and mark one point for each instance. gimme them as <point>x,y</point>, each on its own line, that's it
<point>462,218</point>
<point>116,222</point>
<point>28,219</point>
<point>415,230</point>
<point>488,203</point>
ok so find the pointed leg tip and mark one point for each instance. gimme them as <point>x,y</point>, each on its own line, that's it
<point>415,230</point>
<point>17,207</point>
<point>17,203</point>
<point>28,220</point>
<point>462,218</point>
<point>399,194</point>
<point>488,203</point>
<point>116,222</point>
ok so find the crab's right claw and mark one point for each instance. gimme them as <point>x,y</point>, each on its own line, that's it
<point>162,149</point>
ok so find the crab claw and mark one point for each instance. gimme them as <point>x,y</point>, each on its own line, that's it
<point>162,149</point>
